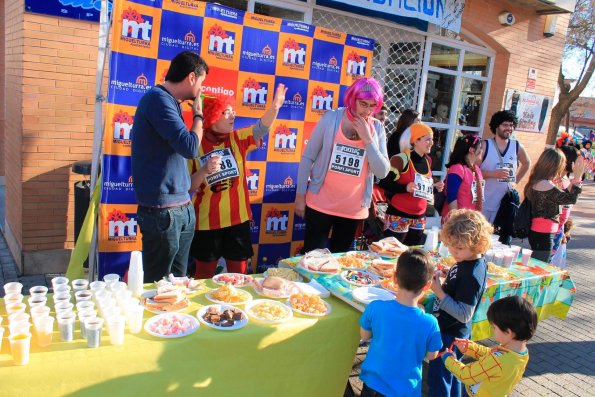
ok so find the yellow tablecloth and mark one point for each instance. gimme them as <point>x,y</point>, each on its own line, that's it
<point>302,357</point>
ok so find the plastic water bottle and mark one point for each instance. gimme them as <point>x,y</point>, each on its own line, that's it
<point>136,273</point>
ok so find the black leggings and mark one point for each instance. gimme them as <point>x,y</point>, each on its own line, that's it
<point>318,226</point>
<point>367,391</point>
<point>541,244</point>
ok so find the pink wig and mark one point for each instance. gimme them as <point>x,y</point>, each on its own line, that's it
<point>364,88</point>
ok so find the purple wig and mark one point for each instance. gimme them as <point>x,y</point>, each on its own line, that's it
<point>364,88</point>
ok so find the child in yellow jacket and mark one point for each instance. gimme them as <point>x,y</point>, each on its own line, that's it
<point>497,370</point>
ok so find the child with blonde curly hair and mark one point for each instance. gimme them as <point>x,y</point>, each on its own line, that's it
<point>467,234</point>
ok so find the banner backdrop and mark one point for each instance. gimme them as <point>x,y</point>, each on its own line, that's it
<point>248,55</point>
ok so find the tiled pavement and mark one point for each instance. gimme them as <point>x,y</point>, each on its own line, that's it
<point>562,353</point>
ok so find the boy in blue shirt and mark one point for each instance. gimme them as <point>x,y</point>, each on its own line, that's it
<point>402,334</point>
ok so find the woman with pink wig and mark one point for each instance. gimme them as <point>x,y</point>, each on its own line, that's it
<point>346,150</point>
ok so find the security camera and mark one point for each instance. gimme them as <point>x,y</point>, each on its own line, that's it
<point>506,18</point>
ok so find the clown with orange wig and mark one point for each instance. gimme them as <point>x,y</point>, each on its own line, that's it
<point>222,202</point>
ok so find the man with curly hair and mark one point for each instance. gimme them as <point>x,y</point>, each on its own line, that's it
<point>505,162</point>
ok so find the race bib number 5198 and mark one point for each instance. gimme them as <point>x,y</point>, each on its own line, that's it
<point>347,160</point>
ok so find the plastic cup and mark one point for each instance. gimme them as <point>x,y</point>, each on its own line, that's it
<point>101,294</point>
<point>111,278</point>
<point>83,317</point>
<point>18,317</point>
<point>118,286</point>
<point>508,258</point>
<point>96,286</point>
<point>20,345</point>
<point>112,311</point>
<point>489,255</point>
<point>83,295</point>
<point>58,281</point>
<point>44,330</point>
<point>498,258</point>
<point>123,296</point>
<point>13,298</point>
<point>15,308</point>
<point>13,288</point>
<point>38,290</point>
<point>85,305</point>
<point>93,329</point>
<point>526,255</point>
<point>495,238</point>
<point>39,311</point>
<point>19,327</point>
<point>115,325</point>
<point>1,336</point>
<point>63,307</point>
<point>62,297</point>
<point>66,326</point>
<point>61,289</point>
<point>516,250</point>
<point>134,316</point>
<point>37,301</point>
<point>80,284</point>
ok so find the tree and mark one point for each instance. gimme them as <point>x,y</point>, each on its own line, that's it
<point>580,41</point>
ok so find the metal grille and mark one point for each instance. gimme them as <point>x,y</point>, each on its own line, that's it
<point>397,58</point>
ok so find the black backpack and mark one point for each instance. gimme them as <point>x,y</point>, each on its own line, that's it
<point>522,220</point>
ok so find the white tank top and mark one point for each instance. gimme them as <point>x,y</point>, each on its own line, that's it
<point>495,189</point>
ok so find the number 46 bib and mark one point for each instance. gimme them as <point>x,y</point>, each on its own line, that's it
<point>347,160</point>
<point>229,166</point>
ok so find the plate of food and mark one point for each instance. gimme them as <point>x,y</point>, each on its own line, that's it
<point>364,255</point>
<point>228,294</point>
<point>287,274</point>
<point>382,268</point>
<point>389,285</point>
<point>274,287</point>
<point>359,279</point>
<point>366,295</point>
<point>309,305</point>
<point>185,284</point>
<point>164,299</point>
<point>268,311</point>
<point>351,262</point>
<point>313,288</point>
<point>388,247</point>
<point>495,270</point>
<point>235,279</point>
<point>171,325</point>
<point>222,317</point>
<point>320,262</point>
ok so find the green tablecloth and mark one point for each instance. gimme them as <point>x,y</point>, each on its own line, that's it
<point>303,357</point>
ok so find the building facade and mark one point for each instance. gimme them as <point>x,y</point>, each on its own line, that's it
<point>455,80</point>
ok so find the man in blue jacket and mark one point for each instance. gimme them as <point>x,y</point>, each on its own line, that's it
<point>161,143</point>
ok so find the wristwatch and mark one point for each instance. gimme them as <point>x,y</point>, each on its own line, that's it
<point>199,116</point>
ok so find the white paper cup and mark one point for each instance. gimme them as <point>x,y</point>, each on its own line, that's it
<point>111,278</point>
<point>85,305</point>
<point>93,329</point>
<point>39,311</point>
<point>63,307</point>
<point>97,285</point>
<point>44,330</point>
<point>526,255</point>
<point>84,316</point>
<point>18,317</point>
<point>37,301</point>
<point>83,295</point>
<point>38,290</point>
<point>20,345</point>
<point>13,298</point>
<point>116,325</point>
<point>58,281</point>
<point>80,284</point>
<point>134,316</point>
<point>13,288</point>
<point>62,297</point>
<point>66,325</point>
<point>15,308</point>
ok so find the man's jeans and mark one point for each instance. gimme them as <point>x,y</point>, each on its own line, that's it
<point>167,236</point>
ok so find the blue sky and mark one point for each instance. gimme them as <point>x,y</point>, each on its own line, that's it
<point>572,65</point>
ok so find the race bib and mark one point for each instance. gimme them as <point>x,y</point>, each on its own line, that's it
<point>474,191</point>
<point>229,166</point>
<point>347,160</point>
<point>424,188</point>
<point>510,168</point>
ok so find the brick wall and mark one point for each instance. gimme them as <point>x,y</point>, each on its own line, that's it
<point>2,99</point>
<point>518,47</point>
<point>55,60</point>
